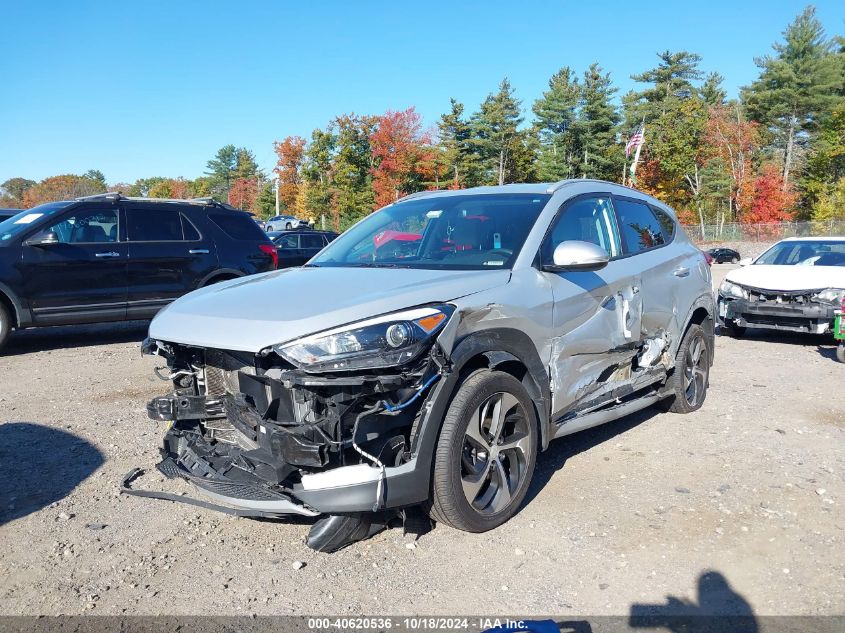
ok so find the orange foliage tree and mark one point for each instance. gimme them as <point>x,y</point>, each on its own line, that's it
<point>773,201</point>
<point>243,193</point>
<point>290,155</point>
<point>63,187</point>
<point>402,156</point>
<point>732,138</point>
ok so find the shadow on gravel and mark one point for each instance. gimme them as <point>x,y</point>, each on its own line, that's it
<point>559,451</point>
<point>719,609</point>
<point>68,336</point>
<point>40,465</point>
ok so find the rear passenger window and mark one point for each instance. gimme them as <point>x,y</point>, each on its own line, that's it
<point>311,241</point>
<point>189,230</point>
<point>639,228</point>
<point>666,222</point>
<point>237,226</point>
<point>154,225</point>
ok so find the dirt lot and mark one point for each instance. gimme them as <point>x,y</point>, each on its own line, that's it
<point>750,488</point>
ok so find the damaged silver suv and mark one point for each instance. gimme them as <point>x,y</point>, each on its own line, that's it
<point>428,354</point>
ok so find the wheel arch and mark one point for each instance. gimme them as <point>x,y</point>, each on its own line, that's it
<point>221,274</point>
<point>20,314</point>
<point>702,313</point>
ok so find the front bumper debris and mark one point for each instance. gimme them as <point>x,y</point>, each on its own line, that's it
<point>791,312</point>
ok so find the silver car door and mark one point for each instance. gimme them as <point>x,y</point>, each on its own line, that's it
<point>597,315</point>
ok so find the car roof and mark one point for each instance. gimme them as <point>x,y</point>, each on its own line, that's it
<point>827,238</point>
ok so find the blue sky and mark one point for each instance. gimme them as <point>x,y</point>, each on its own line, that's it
<point>152,88</point>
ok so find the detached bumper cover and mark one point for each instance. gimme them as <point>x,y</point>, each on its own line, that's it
<point>811,318</point>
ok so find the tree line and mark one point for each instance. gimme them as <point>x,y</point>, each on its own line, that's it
<point>777,152</point>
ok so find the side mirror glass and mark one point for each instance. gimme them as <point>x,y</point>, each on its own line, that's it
<point>574,255</point>
<point>43,239</point>
<point>745,261</point>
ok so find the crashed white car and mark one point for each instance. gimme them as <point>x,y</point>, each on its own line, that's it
<point>795,286</point>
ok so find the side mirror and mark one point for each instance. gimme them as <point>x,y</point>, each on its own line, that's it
<point>43,239</point>
<point>574,255</point>
<point>745,261</point>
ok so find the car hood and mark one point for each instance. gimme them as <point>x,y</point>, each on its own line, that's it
<point>252,313</point>
<point>789,278</point>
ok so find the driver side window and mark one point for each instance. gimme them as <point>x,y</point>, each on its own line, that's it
<point>87,226</point>
<point>588,219</point>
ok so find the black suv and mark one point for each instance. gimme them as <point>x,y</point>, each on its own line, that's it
<point>112,258</point>
<point>299,245</point>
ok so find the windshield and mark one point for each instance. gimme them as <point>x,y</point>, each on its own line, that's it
<point>19,223</point>
<point>461,232</point>
<point>805,253</point>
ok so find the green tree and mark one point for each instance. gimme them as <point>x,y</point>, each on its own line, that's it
<point>352,191</point>
<point>12,191</point>
<point>458,155</point>
<point>245,165</point>
<point>496,135</point>
<point>596,126</point>
<point>555,115</point>
<point>221,170</point>
<point>317,171</point>
<point>825,170</point>
<point>803,80</point>
<point>671,82</point>
<point>712,91</point>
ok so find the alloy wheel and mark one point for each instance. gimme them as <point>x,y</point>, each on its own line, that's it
<point>495,454</point>
<point>695,371</point>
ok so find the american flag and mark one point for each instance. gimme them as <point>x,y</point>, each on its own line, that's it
<point>635,141</point>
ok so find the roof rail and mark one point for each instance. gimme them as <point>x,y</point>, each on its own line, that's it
<point>213,202</point>
<point>558,185</point>
<point>108,195</point>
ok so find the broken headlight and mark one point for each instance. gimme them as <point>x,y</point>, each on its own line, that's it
<point>832,296</point>
<point>729,289</point>
<point>385,341</point>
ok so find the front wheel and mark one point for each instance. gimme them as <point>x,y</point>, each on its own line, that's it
<point>485,455</point>
<point>840,353</point>
<point>691,376</point>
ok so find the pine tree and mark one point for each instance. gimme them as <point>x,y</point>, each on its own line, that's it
<point>221,170</point>
<point>495,133</point>
<point>555,115</point>
<point>796,86</point>
<point>712,91</point>
<point>458,155</point>
<point>596,127</point>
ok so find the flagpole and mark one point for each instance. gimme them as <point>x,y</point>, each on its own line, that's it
<point>637,156</point>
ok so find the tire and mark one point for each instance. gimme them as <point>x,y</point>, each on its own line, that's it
<point>6,325</point>
<point>734,260</point>
<point>288,227</point>
<point>689,380</point>
<point>840,352</point>
<point>481,476</point>
<point>268,228</point>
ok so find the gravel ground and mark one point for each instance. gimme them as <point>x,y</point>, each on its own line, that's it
<point>737,505</point>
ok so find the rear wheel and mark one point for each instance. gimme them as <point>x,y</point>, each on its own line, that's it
<point>734,260</point>
<point>5,325</point>
<point>691,377</point>
<point>485,454</point>
<point>840,353</point>
<point>288,226</point>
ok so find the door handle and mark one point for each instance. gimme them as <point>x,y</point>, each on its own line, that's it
<point>681,272</point>
<point>109,254</point>
<point>198,251</point>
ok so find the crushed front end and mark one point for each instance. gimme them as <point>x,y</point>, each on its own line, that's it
<point>333,434</point>
<point>804,311</point>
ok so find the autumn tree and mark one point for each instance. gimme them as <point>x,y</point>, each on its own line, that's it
<point>12,191</point>
<point>796,86</point>
<point>733,140</point>
<point>244,192</point>
<point>290,156</point>
<point>400,150</point>
<point>64,187</point>
<point>772,200</point>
